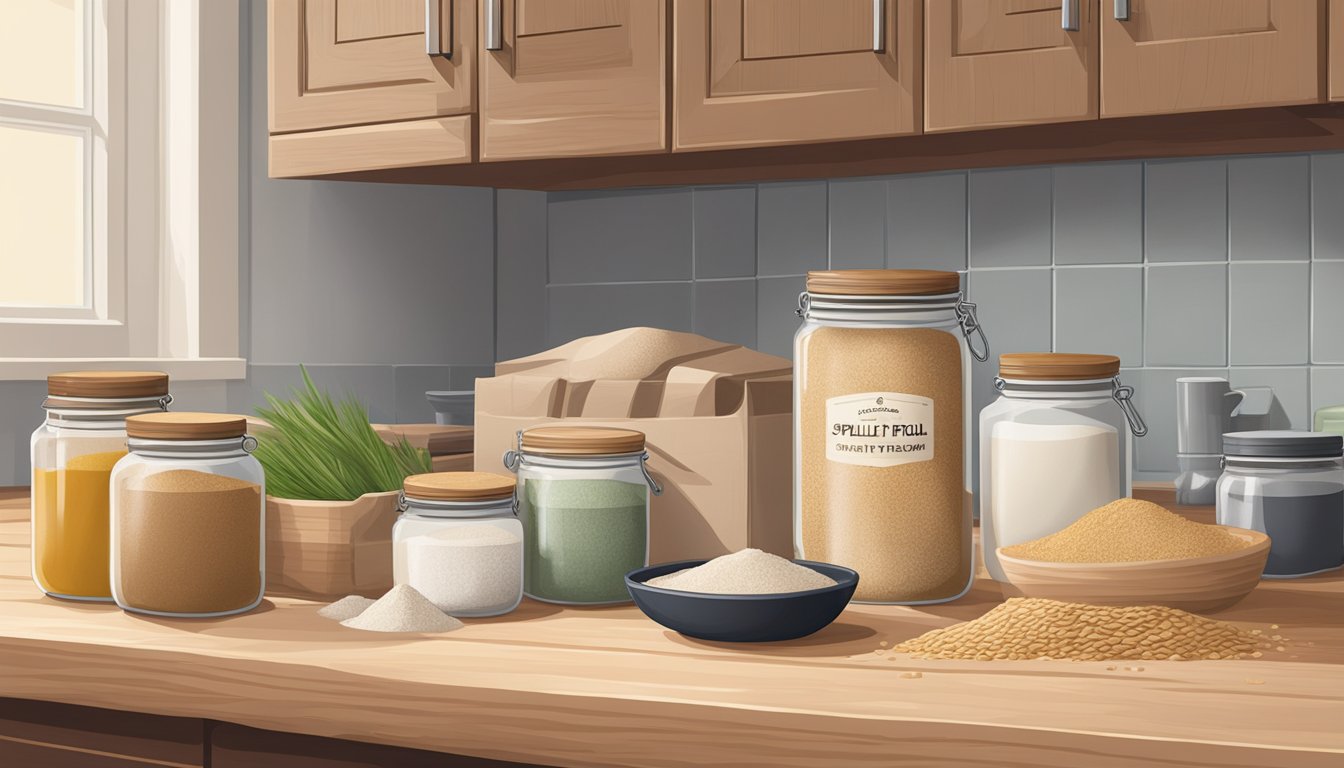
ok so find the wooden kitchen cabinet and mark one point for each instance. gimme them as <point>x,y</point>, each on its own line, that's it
<point>994,63</point>
<point>41,733</point>
<point>760,72</point>
<point>572,77</point>
<point>358,79</point>
<point>1195,55</point>
<point>1336,16</point>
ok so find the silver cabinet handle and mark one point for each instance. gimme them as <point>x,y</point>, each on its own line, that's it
<point>879,25</point>
<point>494,25</point>
<point>1122,10</point>
<point>434,30</point>
<point>1068,11</point>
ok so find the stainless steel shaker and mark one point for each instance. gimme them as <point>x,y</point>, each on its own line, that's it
<point>1205,406</point>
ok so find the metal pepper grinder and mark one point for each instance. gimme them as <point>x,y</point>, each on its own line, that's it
<point>1205,406</point>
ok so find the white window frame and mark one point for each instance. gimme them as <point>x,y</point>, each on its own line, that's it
<point>165,245</point>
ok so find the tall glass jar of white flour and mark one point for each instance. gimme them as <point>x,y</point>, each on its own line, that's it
<point>1054,446</point>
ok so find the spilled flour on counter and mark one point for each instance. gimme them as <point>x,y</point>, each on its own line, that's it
<point>403,609</point>
<point>746,572</point>
<point>347,607</point>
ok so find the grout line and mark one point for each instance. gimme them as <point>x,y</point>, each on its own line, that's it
<point>1227,275</point>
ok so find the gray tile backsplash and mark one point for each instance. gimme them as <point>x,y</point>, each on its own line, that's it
<point>1213,267</point>
<point>1185,210</point>
<point>1100,310</point>
<point>1268,322</point>
<point>791,227</point>
<point>1010,218</point>
<point>1185,315</point>
<point>926,221</point>
<point>1099,213</point>
<point>1268,208</point>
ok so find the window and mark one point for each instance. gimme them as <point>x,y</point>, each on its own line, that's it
<point>111,114</point>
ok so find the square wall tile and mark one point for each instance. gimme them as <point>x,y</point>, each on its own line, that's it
<point>20,415</point>
<point>725,232</point>
<point>1010,218</point>
<point>926,222</point>
<point>201,396</point>
<point>776,323</point>
<point>520,273</point>
<point>1185,210</point>
<point>1291,408</point>
<point>620,235</point>
<point>1100,310</point>
<point>1327,200</point>
<point>1327,312</point>
<point>1099,213</point>
<point>1268,313</point>
<point>1155,397</point>
<point>790,228</point>
<point>858,223</point>
<point>574,311</point>
<point>373,385</point>
<point>1185,315</point>
<point>1269,207</point>
<point>1327,388</point>
<point>725,310</point>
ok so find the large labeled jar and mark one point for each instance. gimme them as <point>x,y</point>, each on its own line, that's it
<point>1054,446</point>
<point>881,425</point>
<point>459,543</point>
<point>1289,485</point>
<point>72,454</point>
<point>188,517</point>
<point>583,499</point>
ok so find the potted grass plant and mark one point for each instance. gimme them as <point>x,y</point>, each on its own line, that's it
<point>332,484</point>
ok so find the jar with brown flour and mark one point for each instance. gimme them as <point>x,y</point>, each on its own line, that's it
<point>188,517</point>
<point>881,425</point>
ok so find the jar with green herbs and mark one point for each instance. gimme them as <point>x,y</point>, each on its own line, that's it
<point>583,499</point>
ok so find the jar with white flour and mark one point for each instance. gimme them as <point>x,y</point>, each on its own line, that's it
<point>1054,446</point>
<point>459,543</point>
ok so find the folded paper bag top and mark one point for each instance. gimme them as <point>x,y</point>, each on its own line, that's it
<point>719,421</point>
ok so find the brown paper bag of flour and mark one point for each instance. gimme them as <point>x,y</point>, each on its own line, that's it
<point>718,417</point>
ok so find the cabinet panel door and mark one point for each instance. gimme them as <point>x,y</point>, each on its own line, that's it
<point>1008,62</point>
<point>346,62</point>
<point>1194,55</point>
<point>574,77</point>
<point>759,72</point>
<point>1337,50</point>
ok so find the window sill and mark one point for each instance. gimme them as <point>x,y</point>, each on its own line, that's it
<point>178,369</point>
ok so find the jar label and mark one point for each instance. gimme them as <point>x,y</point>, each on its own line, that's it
<point>879,429</point>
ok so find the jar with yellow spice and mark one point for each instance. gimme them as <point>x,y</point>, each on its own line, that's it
<point>72,456</point>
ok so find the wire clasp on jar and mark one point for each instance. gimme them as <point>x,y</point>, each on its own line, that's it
<point>970,324</point>
<point>1123,397</point>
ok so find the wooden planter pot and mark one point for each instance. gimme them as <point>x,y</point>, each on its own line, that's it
<point>329,549</point>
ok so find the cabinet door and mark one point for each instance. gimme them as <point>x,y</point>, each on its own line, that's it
<point>346,62</point>
<point>1009,62</point>
<point>1337,50</point>
<point>1194,55</point>
<point>573,77</point>
<point>759,72</point>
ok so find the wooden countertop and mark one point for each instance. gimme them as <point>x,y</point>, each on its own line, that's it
<point>607,687</point>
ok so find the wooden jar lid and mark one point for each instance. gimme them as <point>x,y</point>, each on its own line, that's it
<point>582,441</point>
<point>883,282</point>
<point>1057,366</point>
<point>108,384</point>
<point>459,486</point>
<point>185,426</point>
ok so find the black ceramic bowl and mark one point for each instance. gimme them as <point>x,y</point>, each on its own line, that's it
<point>742,618</point>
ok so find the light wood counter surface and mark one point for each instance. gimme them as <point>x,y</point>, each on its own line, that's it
<point>607,687</point>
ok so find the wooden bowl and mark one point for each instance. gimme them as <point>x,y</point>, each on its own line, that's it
<point>1194,584</point>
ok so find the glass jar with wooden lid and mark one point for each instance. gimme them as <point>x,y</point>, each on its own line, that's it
<point>188,517</point>
<point>459,543</point>
<point>1055,445</point>
<point>583,499</point>
<point>73,452</point>
<point>881,424</point>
